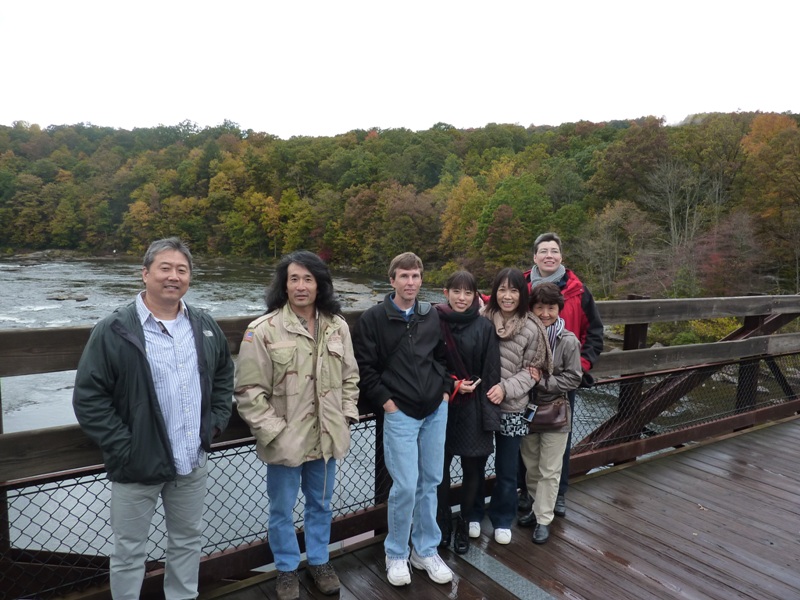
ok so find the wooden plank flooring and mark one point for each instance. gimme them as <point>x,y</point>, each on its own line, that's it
<point>714,521</point>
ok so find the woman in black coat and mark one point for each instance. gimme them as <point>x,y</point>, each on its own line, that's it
<point>473,361</point>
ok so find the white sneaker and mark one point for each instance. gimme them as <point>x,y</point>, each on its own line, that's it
<point>502,536</point>
<point>397,571</point>
<point>437,570</point>
<point>474,529</point>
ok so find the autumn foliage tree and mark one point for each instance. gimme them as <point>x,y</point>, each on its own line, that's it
<point>642,207</point>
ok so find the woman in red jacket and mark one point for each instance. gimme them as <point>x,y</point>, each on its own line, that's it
<point>581,318</point>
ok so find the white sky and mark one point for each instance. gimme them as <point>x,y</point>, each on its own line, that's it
<point>315,67</point>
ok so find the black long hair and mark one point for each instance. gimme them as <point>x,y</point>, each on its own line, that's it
<point>515,279</point>
<point>276,296</point>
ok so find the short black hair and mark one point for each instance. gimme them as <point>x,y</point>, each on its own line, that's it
<point>515,279</point>
<point>159,246</point>
<point>276,295</point>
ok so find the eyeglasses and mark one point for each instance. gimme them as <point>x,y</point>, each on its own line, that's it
<point>546,251</point>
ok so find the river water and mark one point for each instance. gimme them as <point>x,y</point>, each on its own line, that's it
<point>37,291</point>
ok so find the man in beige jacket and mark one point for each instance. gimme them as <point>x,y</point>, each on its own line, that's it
<point>297,388</point>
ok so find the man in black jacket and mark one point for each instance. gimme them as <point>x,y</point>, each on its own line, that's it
<point>153,387</point>
<point>400,355</point>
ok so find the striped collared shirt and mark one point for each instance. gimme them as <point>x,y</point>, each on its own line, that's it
<point>172,355</point>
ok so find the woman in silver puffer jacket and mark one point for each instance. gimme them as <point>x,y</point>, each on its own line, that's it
<point>523,344</point>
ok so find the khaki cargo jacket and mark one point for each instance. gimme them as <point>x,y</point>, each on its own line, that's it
<point>298,396</point>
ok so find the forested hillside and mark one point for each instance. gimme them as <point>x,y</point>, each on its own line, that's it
<point>709,207</point>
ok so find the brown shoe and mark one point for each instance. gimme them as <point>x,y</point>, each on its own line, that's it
<point>288,586</point>
<point>325,578</point>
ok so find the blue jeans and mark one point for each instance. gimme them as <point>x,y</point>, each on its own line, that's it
<point>503,505</point>
<point>283,485</point>
<point>414,454</point>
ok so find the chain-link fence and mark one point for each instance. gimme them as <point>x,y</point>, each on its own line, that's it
<point>59,535</point>
<point>687,398</point>
<point>70,517</point>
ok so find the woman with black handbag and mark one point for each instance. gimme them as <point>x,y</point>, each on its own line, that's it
<point>473,360</point>
<point>543,448</point>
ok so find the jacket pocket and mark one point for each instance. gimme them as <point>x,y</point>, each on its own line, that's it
<point>284,368</point>
<point>332,367</point>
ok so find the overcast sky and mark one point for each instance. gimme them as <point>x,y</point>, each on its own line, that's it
<point>294,67</point>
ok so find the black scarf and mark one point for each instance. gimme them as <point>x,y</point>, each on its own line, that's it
<point>446,316</point>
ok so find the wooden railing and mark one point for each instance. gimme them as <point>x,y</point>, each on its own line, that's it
<point>25,351</point>
<point>685,368</point>
<point>29,457</point>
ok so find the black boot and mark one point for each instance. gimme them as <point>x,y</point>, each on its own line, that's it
<point>444,519</point>
<point>560,509</point>
<point>461,538</point>
<point>528,520</point>
<point>524,501</point>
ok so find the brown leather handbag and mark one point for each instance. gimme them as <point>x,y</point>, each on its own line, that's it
<point>547,415</point>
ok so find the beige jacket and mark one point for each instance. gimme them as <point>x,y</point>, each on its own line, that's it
<point>297,410</point>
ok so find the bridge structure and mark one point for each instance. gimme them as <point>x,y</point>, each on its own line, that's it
<point>648,402</point>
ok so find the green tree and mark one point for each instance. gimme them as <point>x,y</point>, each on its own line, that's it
<point>247,225</point>
<point>713,146</point>
<point>66,226</point>
<point>501,247</point>
<point>297,215</point>
<point>100,232</point>
<point>139,226</point>
<point>529,203</point>
<point>623,167</point>
<point>185,218</point>
<point>29,212</point>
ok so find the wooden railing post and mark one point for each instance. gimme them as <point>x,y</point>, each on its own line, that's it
<point>635,338</point>
<point>747,386</point>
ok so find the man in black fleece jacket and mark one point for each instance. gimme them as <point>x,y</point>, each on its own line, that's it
<point>402,365</point>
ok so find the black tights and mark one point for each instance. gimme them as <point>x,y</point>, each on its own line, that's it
<point>472,484</point>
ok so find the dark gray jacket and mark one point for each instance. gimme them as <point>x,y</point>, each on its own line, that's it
<point>115,399</point>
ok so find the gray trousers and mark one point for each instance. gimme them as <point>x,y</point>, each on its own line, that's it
<point>132,509</point>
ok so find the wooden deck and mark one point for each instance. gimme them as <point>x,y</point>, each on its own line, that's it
<point>716,520</point>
